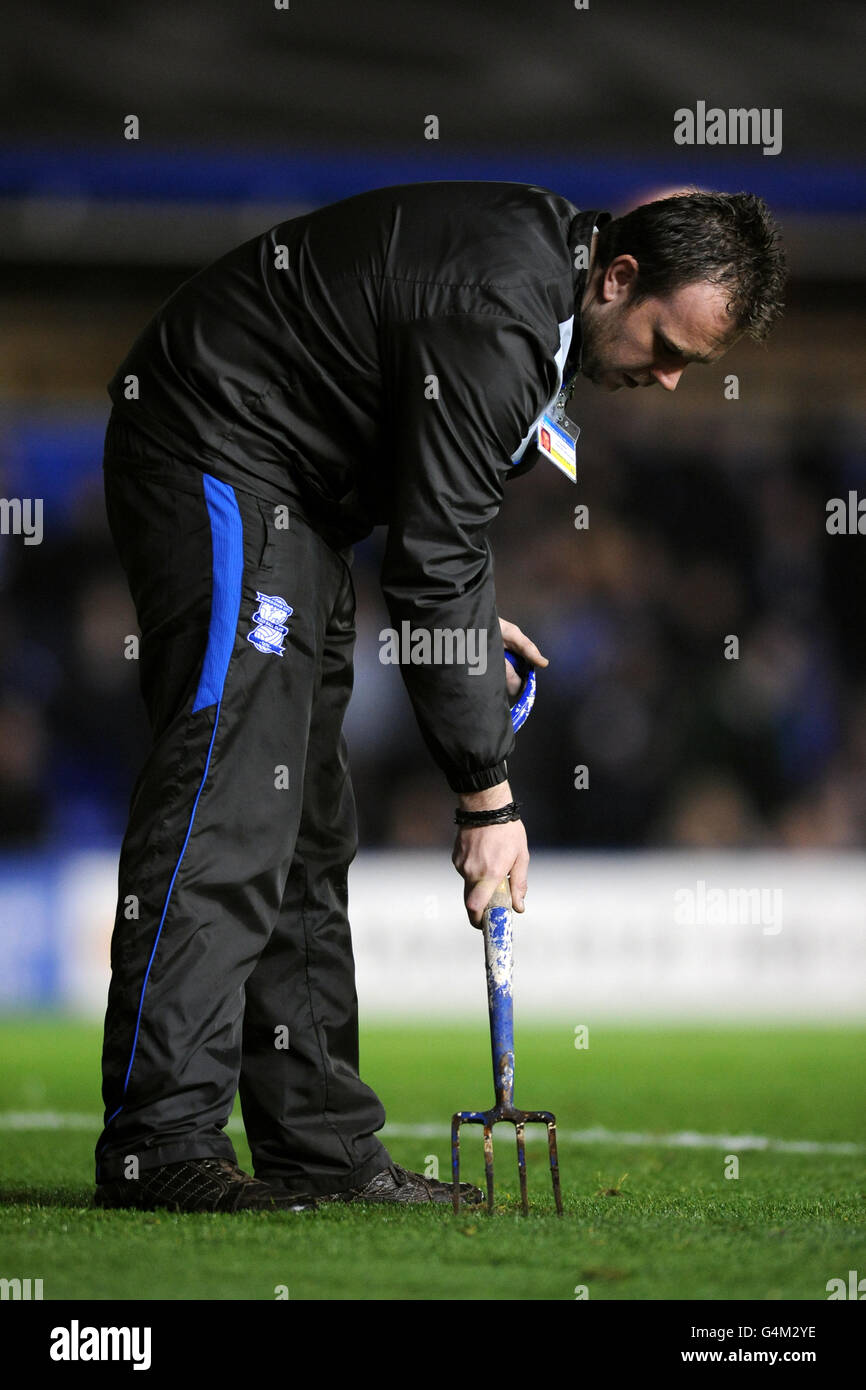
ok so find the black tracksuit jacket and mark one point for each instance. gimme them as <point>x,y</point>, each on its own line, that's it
<point>383,360</point>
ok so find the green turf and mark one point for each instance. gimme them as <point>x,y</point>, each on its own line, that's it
<point>642,1222</point>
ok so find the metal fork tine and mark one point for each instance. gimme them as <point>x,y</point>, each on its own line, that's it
<point>521,1167</point>
<point>554,1167</point>
<point>455,1165</point>
<point>488,1164</point>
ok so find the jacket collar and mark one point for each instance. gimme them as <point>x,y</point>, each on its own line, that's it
<point>579,234</point>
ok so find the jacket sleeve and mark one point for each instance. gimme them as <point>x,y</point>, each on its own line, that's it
<point>461,392</point>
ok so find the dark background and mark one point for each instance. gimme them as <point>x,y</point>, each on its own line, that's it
<point>707,515</point>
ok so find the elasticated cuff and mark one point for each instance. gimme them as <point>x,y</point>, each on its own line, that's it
<point>479,781</point>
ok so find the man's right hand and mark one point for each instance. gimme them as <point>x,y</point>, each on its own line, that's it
<point>485,854</point>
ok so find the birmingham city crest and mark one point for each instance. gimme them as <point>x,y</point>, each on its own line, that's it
<point>270,630</point>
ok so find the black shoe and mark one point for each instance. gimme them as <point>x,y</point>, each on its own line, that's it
<point>396,1184</point>
<point>198,1184</point>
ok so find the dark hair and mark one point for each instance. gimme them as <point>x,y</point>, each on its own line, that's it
<point>728,239</point>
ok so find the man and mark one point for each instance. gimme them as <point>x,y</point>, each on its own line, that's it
<point>391,359</point>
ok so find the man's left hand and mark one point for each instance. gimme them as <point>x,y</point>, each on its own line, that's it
<point>516,641</point>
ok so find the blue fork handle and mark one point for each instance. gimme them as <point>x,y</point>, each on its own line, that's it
<point>496,924</point>
<point>522,706</point>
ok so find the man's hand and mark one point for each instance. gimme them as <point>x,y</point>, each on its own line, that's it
<point>484,854</point>
<point>516,641</point>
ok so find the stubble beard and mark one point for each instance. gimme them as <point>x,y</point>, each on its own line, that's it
<point>595,340</point>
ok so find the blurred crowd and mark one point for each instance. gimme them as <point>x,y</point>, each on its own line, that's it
<point>687,738</point>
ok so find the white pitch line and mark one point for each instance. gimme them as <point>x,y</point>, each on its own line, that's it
<point>683,1139</point>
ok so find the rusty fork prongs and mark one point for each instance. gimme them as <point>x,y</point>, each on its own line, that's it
<point>497,928</point>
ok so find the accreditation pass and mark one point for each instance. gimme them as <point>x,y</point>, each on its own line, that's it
<point>558,444</point>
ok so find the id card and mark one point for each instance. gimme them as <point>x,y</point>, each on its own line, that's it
<point>559,445</point>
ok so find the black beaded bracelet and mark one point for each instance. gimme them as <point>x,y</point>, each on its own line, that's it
<point>500,815</point>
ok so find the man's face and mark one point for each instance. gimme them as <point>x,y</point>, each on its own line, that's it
<point>627,344</point>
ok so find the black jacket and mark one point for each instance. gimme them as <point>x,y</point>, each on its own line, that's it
<point>382,360</point>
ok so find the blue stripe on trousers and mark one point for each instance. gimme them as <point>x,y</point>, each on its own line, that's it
<point>227,547</point>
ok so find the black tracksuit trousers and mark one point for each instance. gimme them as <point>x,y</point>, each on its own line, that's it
<point>232,965</point>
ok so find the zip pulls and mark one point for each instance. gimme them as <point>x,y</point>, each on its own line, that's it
<point>563,400</point>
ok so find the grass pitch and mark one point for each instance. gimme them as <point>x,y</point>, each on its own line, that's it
<point>649,1120</point>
